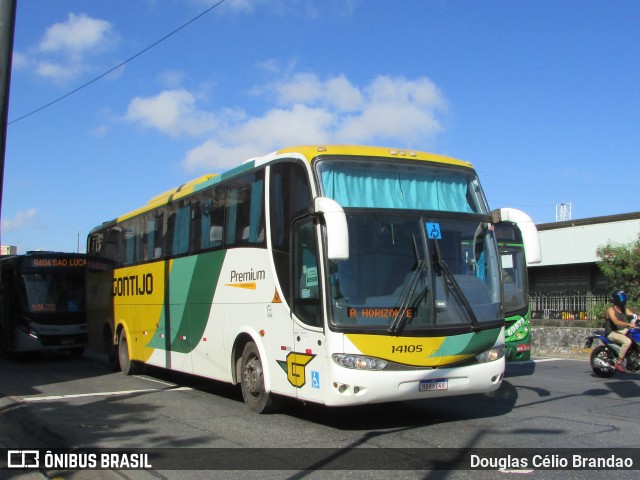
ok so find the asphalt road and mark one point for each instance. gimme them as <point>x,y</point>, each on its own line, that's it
<point>54,402</point>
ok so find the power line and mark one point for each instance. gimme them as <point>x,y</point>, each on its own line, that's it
<point>141,52</point>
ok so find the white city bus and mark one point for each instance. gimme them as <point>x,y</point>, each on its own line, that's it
<point>341,275</point>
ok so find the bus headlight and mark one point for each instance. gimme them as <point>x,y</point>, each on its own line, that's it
<point>358,362</point>
<point>520,335</point>
<point>491,355</point>
<point>26,328</point>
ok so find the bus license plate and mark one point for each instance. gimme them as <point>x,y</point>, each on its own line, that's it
<point>434,384</point>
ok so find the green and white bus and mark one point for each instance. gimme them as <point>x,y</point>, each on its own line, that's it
<point>516,255</point>
<point>340,275</point>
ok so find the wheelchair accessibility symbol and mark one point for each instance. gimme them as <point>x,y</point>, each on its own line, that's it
<point>315,379</point>
<point>433,231</point>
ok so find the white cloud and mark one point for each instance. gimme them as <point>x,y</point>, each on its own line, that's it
<point>337,93</point>
<point>244,6</point>
<point>65,48</point>
<point>260,135</point>
<point>396,110</point>
<point>59,71</point>
<point>214,156</point>
<point>79,34</point>
<point>173,112</point>
<point>21,219</point>
<point>19,61</point>
<point>308,110</point>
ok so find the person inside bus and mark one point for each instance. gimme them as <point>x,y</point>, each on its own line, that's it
<point>616,325</point>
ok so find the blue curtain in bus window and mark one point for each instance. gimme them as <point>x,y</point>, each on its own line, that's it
<point>255,220</point>
<point>277,210</point>
<point>131,244</point>
<point>181,231</point>
<point>205,225</point>
<point>230,236</point>
<point>379,190</point>
<point>151,234</point>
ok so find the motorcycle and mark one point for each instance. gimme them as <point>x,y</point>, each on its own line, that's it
<point>605,355</point>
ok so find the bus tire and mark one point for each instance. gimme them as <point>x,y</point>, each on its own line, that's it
<point>252,382</point>
<point>128,366</point>
<point>111,350</point>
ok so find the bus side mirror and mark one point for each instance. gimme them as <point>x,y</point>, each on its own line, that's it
<point>527,228</point>
<point>337,231</point>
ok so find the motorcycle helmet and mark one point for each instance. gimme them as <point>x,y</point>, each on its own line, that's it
<point>619,297</point>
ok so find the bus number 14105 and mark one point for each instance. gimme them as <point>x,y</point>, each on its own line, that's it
<point>406,348</point>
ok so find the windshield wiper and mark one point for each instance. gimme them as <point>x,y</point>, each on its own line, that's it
<point>454,287</point>
<point>400,318</point>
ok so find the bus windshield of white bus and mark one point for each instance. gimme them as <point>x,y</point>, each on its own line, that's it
<point>422,252</point>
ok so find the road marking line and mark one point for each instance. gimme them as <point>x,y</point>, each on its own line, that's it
<point>100,394</point>
<point>560,359</point>
<point>149,379</point>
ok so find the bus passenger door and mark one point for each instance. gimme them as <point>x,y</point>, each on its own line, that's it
<point>306,364</point>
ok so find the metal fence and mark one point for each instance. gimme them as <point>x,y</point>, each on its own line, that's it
<point>565,304</point>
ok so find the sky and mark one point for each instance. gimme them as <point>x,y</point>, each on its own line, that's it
<point>542,97</point>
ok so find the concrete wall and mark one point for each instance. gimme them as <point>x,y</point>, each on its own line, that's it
<point>560,338</point>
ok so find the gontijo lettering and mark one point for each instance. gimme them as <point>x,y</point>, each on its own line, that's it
<point>133,285</point>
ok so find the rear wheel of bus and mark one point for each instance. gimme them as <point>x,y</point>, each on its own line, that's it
<point>252,382</point>
<point>128,366</point>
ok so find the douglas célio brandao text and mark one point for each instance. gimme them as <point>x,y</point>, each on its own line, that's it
<point>552,461</point>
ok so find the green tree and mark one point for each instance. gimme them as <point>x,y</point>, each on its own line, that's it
<point>620,263</point>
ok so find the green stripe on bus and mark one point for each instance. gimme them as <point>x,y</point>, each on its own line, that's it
<point>193,282</point>
<point>469,343</point>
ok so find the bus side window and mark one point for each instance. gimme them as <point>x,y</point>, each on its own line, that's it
<point>210,219</point>
<point>198,239</point>
<point>111,246</point>
<point>95,244</point>
<point>132,242</point>
<point>152,244</point>
<point>178,229</point>
<point>290,194</point>
<point>305,274</point>
<point>245,211</point>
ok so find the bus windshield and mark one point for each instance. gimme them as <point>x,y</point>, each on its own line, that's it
<point>415,278</point>
<point>54,292</point>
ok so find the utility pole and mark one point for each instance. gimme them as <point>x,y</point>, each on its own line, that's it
<point>7,28</point>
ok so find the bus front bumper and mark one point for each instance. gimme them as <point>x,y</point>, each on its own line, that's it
<point>353,387</point>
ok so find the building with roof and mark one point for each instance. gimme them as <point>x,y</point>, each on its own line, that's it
<point>568,281</point>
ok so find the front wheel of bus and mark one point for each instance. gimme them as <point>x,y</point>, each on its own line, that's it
<point>252,382</point>
<point>128,366</point>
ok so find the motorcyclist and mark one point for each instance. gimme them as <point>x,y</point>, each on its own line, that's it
<point>616,324</point>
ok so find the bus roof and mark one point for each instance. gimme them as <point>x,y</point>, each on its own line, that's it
<point>308,152</point>
<point>312,151</point>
